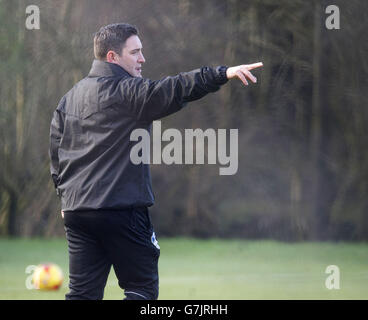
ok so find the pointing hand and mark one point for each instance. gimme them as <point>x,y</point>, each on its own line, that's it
<point>242,72</point>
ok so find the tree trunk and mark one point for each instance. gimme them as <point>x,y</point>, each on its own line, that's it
<point>315,142</point>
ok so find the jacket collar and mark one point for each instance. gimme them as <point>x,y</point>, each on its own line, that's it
<point>106,69</point>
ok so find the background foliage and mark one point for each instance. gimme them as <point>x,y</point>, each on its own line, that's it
<point>303,161</point>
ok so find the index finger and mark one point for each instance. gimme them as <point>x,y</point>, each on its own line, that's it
<point>254,65</point>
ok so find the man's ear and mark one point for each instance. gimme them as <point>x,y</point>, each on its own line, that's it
<point>111,56</point>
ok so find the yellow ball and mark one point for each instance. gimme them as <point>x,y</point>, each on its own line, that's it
<point>47,276</point>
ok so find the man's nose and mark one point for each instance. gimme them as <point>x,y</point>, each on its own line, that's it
<point>141,58</point>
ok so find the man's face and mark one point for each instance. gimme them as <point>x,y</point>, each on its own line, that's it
<point>131,58</point>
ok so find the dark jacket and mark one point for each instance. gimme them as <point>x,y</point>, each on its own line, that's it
<point>91,126</point>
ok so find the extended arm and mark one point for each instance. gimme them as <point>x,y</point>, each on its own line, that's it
<point>151,100</point>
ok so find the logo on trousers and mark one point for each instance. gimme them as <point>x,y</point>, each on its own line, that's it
<point>154,240</point>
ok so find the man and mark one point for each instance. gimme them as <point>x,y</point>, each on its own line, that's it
<point>104,196</point>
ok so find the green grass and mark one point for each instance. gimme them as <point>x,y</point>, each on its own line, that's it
<point>211,269</point>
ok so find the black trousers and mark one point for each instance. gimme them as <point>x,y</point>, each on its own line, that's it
<point>123,239</point>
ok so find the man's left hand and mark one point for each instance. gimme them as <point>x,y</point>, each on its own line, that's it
<point>242,72</point>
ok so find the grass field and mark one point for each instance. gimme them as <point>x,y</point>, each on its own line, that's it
<point>211,269</point>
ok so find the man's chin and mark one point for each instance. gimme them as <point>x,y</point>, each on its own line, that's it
<point>138,73</point>
<point>135,74</point>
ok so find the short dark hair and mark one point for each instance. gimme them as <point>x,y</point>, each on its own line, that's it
<point>112,37</point>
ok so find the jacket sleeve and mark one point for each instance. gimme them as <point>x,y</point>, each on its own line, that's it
<point>151,100</point>
<point>56,133</point>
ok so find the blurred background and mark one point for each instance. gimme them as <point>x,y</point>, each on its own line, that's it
<point>303,156</point>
